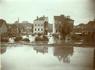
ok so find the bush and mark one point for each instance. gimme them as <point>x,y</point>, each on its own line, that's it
<point>4,39</point>
<point>43,38</point>
<point>39,34</point>
<point>55,35</point>
<point>26,39</point>
<point>18,38</point>
<point>38,38</point>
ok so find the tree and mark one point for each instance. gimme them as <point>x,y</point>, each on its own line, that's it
<point>64,29</point>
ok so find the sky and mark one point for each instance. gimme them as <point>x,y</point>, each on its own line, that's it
<point>27,10</point>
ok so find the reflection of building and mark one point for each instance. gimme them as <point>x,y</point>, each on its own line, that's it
<point>63,53</point>
<point>59,21</point>
<point>40,25</point>
<point>41,49</point>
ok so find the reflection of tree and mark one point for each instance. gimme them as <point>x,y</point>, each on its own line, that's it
<point>2,50</point>
<point>41,49</point>
<point>63,53</point>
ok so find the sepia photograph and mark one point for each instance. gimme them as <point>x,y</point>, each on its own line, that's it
<point>47,34</point>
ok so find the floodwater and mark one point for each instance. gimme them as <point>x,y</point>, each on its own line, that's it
<point>27,57</point>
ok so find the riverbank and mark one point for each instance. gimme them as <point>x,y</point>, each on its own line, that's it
<point>53,44</point>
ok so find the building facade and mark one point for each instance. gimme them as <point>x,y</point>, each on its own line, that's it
<point>50,28</point>
<point>60,21</point>
<point>40,25</point>
<point>3,26</point>
<point>90,31</point>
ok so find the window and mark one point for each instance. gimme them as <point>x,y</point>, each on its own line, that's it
<point>35,24</point>
<point>38,24</point>
<point>38,29</point>
<point>41,29</point>
<point>35,29</point>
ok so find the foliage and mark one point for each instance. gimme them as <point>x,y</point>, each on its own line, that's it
<point>18,38</point>
<point>64,29</point>
<point>4,39</point>
<point>41,38</point>
<point>26,39</point>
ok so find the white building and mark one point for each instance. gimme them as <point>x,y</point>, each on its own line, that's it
<point>40,25</point>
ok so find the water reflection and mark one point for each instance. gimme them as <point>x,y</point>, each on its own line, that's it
<point>3,48</point>
<point>41,49</point>
<point>27,57</point>
<point>63,53</point>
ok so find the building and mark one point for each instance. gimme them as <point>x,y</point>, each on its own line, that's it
<point>79,29</point>
<point>60,21</point>
<point>40,25</point>
<point>3,27</point>
<point>90,27</point>
<point>63,26</point>
<point>50,28</point>
<point>26,27</point>
<point>90,31</point>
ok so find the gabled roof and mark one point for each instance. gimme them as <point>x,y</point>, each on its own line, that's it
<point>62,18</point>
<point>2,22</point>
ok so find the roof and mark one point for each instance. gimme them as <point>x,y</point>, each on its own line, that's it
<point>40,18</point>
<point>2,22</point>
<point>62,18</point>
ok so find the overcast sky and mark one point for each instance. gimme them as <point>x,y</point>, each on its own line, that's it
<point>79,10</point>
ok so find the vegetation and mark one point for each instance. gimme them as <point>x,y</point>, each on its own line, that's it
<point>41,37</point>
<point>18,38</point>
<point>26,40</point>
<point>64,30</point>
<point>90,38</point>
<point>4,37</point>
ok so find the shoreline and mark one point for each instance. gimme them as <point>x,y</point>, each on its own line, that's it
<point>46,44</point>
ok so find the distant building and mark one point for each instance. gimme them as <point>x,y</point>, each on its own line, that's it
<point>27,27</point>
<point>90,27</point>
<point>90,31</point>
<point>59,21</point>
<point>12,30</point>
<point>40,25</point>
<point>15,29</point>
<point>79,28</point>
<point>3,27</point>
